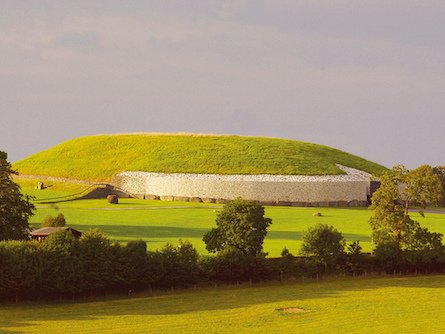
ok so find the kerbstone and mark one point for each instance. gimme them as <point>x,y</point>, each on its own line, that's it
<point>152,197</point>
<point>181,198</point>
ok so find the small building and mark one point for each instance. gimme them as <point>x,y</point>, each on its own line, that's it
<point>42,233</point>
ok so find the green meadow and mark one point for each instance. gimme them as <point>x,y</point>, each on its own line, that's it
<point>159,222</point>
<point>360,305</point>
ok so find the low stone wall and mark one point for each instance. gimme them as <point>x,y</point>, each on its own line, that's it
<point>332,190</point>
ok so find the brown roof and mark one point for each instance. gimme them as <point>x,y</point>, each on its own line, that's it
<point>46,231</point>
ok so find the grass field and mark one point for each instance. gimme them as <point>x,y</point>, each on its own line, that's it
<point>99,157</point>
<point>158,222</point>
<point>361,305</point>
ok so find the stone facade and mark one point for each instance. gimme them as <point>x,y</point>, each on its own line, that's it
<point>351,189</point>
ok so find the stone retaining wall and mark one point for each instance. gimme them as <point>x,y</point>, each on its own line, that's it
<point>335,190</point>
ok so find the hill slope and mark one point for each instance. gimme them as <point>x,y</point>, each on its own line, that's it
<point>99,157</point>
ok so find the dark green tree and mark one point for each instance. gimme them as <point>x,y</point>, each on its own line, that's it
<point>97,260</point>
<point>179,264</point>
<point>15,208</point>
<point>399,189</point>
<point>61,265</point>
<point>323,242</point>
<point>241,225</point>
<point>20,272</point>
<point>233,265</point>
<point>135,266</point>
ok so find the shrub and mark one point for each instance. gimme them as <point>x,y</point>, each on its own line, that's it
<point>58,221</point>
<point>232,265</point>
<point>179,265</point>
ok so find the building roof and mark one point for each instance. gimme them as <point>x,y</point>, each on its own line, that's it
<point>46,231</point>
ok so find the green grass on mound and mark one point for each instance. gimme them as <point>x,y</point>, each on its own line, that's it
<point>362,305</point>
<point>99,157</point>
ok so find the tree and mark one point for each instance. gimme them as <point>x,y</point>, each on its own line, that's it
<point>15,208</point>
<point>323,242</point>
<point>422,186</point>
<point>240,224</point>
<point>440,172</point>
<point>96,257</point>
<point>232,265</point>
<point>60,264</point>
<point>135,265</point>
<point>58,221</point>
<point>180,264</point>
<point>400,188</point>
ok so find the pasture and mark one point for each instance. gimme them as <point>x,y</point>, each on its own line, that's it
<point>158,222</point>
<point>360,305</point>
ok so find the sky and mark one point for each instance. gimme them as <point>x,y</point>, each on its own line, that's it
<point>365,77</point>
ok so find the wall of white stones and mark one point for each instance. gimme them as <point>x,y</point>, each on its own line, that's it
<point>351,189</point>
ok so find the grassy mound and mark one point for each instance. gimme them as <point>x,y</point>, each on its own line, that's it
<point>98,157</point>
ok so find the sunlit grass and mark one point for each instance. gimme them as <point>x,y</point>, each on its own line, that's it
<point>361,305</point>
<point>52,188</point>
<point>99,157</point>
<point>158,222</point>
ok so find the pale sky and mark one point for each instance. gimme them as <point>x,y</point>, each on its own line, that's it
<point>366,77</point>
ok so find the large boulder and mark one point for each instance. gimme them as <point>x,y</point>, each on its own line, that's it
<point>112,199</point>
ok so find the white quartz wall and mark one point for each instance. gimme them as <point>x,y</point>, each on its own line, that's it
<point>266,188</point>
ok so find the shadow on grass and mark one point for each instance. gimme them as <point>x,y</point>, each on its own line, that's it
<point>355,237</point>
<point>144,232</point>
<point>154,233</point>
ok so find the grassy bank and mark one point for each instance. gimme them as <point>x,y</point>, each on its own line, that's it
<point>99,157</point>
<point>361,305</point>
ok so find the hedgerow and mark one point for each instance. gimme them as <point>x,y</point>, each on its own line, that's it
<point>63,266</point>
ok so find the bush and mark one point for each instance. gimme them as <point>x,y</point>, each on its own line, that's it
<point>232,265</point>
<point>179,265</point>
<point>58,221</point>
<point>135,265</point>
